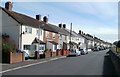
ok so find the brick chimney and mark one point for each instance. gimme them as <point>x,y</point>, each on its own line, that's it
<point>64,25</point>
<point>38,17</point>
<point>60,25</point>
<point>8,5</point>
<point>45,19</point>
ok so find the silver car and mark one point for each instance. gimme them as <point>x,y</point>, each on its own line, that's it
<point>74,52</point>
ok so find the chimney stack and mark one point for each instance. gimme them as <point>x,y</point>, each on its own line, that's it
<point>8,6</point>
<point>45,19</point>
<point>60,25</point>
<point>38,17</point>
<point>80,32</point>
<point>64,25</point>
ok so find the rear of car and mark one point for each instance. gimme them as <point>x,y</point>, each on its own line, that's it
<point>83,51</point>
<point>73,52</point>
<point>78,52</point>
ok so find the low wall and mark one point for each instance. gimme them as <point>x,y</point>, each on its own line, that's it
<point>12,57</point>
<point>115,60</point>
<point>47,54</point>
<point>16,57</point>
<point>58,53</point>
<point>64,52</point>
<point>53,54</point>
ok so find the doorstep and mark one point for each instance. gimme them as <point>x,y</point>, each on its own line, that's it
<point>27,62</point>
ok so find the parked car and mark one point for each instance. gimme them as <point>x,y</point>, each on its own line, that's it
<point>74,52</point>
<point>96,48</point>
<point>83,51</point>
<point>78,52</point>
<point>25,54</point>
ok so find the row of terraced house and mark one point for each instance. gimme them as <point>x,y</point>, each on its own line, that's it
<point>36,34</point>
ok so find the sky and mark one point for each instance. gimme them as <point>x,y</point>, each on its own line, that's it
<point>96,18</point>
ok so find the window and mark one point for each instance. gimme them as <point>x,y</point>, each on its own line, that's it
<point>37,32</point>
<point>41,32</point>
<point>53,35</point>
<point>47,34</point>
<point>26,47</point>
<point>41,47</point>
<point>28,30</point>
<point>65,37</point>
<point>60,36</point>
<point>54,47</point>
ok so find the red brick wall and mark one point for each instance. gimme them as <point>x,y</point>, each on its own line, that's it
<point>53,54</point>
<point>65,52</point>
<point>16,57</point>
<point>59,51</point>
<point>47,54</point>
<point>50,37</point>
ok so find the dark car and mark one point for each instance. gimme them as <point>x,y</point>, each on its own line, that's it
<point>96,48</point>
<point>83,51</point>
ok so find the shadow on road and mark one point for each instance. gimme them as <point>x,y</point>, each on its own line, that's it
<point>108,68</point>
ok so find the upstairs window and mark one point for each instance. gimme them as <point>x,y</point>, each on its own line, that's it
<point>53,35</point>
<point>47,34</point>
<point>28,30</point>
<point>65,37</point>
<point>38,31</point>
<point>60,36</point>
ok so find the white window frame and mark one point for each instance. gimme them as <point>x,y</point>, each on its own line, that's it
<point>25,48</point>
<point>28,30</point>
<point>53,35</point>
<point>54,47</point>
<point>47,34</point>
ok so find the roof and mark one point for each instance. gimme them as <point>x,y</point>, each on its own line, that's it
<point>37,41</point>
<point>23,19</point>
<point>73,33</point>
<point>73,43</point>
<point>59,30</point>
<point>52,42</point>
<point>87,37</point>
<point>29,21</point>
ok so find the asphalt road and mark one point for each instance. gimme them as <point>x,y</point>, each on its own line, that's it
<point>94,63</point>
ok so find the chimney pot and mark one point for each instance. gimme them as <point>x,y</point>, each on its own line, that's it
<point>45,19</point>
<point>38,17</point>
<point>60,25</point>
<point>8,5</point>
<point>80,32</point>
<point>64,25</point>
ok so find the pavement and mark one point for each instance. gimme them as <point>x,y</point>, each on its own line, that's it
<point>94,63</point>
<point>28,62</point>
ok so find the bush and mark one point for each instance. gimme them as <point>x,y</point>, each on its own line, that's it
<point>46,50</point>
<point>7,48</point>
<point>8,45</point>
<point>118,44</point>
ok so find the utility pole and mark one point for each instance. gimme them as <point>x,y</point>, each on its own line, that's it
<point>70,34</point>
<point>94,42</point>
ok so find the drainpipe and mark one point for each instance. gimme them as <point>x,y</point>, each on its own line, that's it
<point>20,37</point>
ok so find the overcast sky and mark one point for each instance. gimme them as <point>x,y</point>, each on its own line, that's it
<point>96,18</point>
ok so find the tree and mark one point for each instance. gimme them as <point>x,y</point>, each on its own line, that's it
<point>118,44</point>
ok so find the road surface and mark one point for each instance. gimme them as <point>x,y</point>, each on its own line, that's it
<point>94,63</point>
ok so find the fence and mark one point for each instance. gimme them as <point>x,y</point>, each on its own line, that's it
<point>115,57</point>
